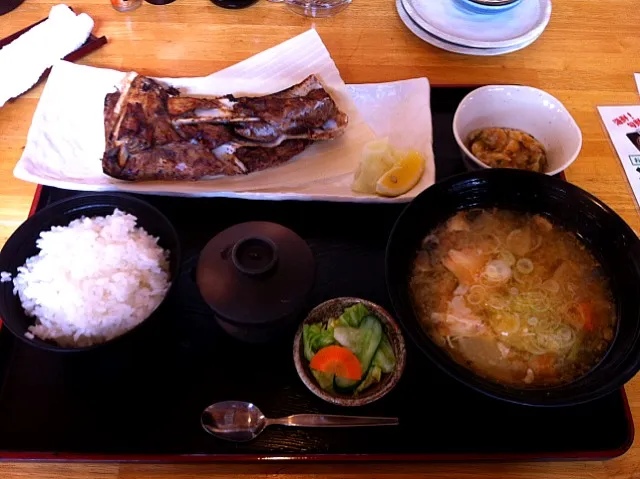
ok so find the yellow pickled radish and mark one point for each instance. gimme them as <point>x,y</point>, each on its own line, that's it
<point>377,158</point>
<point>404,175</point>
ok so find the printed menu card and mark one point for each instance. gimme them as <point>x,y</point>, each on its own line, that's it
<point>623,125</point>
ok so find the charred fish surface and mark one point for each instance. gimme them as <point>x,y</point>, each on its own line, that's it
<point>153,133</point>
<point>177,161</point>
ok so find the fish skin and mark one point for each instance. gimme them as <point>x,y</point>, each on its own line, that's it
<point>152,133</point>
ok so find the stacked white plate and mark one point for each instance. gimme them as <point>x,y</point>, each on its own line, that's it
<point>463,26</point>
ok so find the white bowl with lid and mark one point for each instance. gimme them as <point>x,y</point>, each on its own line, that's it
<point>524,108</point>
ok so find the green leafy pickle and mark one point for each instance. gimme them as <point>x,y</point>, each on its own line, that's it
<point>362,341</point>
<point>384,357</point>
<point>325,380</point>
<point>315,337</point>
<point>373,377</point>
<point>353,316</point>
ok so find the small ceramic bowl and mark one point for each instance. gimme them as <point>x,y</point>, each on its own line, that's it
<point>256,278</point>
<point>332,309</point>
<point>524,108</point>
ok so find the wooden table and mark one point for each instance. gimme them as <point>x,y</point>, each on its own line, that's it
<point>585,58</point>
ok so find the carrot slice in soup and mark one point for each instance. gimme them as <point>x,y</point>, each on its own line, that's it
<point>586,312</point>
<point>544,365</point>
<point>581,317</point>
<point>337,360</point>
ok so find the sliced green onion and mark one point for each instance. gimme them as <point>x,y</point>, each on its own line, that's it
<point>524,265</point>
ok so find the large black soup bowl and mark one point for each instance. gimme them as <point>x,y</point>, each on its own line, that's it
<point>22,245</point>
<point>609,238</point>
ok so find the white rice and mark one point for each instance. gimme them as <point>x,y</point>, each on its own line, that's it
<point>92,280</point>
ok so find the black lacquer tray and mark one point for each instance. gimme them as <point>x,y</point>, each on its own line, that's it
<point>142,399</point>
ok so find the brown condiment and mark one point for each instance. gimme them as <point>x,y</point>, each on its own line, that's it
<point>508,148</point>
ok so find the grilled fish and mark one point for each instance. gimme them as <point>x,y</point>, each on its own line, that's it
<point>153,133</point>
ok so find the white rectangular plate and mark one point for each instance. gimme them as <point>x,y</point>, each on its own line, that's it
<point>66,138</point>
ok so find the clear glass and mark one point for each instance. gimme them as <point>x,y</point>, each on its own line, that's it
<point>315,8</point>
<point>126,5</point>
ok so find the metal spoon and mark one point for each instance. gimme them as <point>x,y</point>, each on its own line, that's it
<point>242,421</point>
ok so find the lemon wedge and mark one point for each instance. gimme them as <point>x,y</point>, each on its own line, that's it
<point>403,176</point>
<point>377,158</point>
